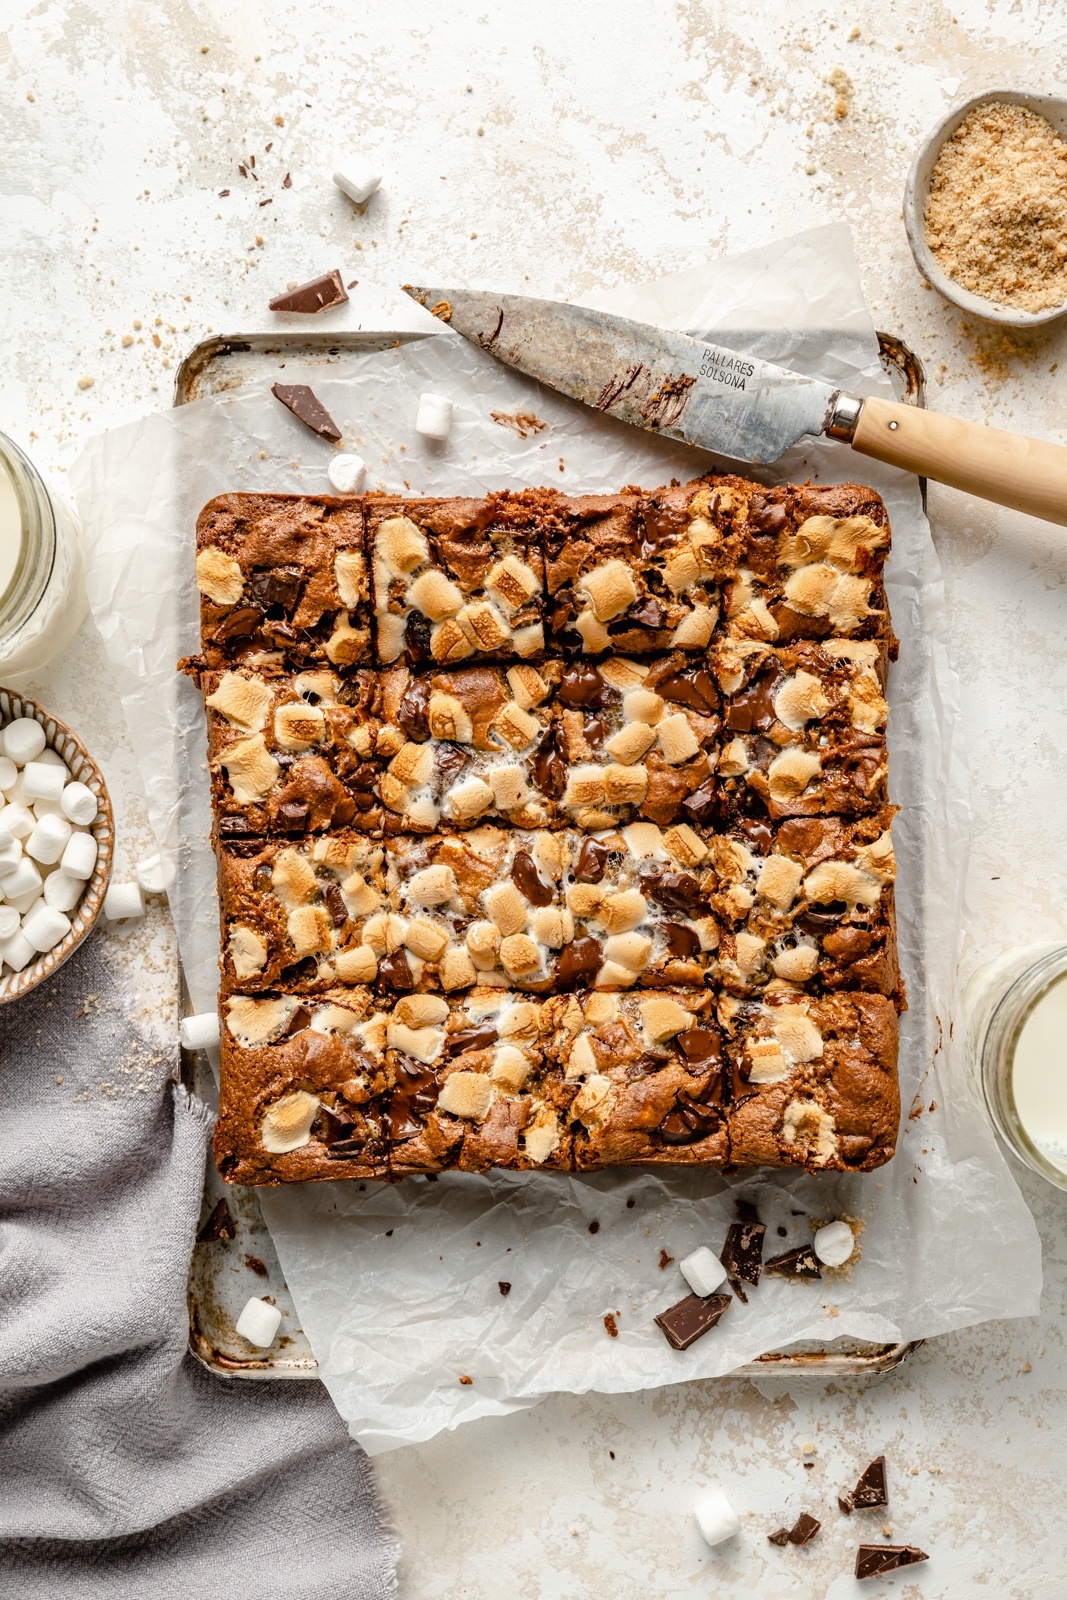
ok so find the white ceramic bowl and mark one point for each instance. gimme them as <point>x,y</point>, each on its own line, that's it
<point>82,767</point>
<point>1049,106</point>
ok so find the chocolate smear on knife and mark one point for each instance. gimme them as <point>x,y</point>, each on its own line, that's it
<point>870,1491</point>
<point>319,294</point>
<point>683,1324</point>
<point>301,401</point>
<point>742,1255</point>
<point>802,1263</point>
<point>874,1560</point>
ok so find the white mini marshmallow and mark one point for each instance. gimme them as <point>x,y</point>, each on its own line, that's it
<point>703,1271</point>
<point>123,900</point>
<point>79,857</point>
<point>7,838</point>
<point>434,418</point>
<point>10,857</point>
<point>52,758</point>
<point>150,875</point>
<point>79,804</point>
<point>356,177</point>
<point>834,1244</point>
<point>44,927</point>
<point>17,952</point>
<point>42,781</point>
<point>198,1032</point>
<point>23,740</point>
<point>716,1517</point>
<point>8,772</point>
<point>259,1322</point>
<point>18,883</point>
<point>24,903</point>
<point>19,820</point>
<point>346,474</point>
<point>62,890</point>
<point>9,922</point>
<point>48,840</point>
<point>47,808</point>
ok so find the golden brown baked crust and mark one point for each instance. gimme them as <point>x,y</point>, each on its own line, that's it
<point>552,830</point>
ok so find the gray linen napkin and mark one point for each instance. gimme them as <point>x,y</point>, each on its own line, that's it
<point>127,1470</point>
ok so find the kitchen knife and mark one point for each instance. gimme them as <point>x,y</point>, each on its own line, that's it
<point>738,406</point>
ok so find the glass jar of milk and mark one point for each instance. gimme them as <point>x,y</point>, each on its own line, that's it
<point>42,598</point>
<point>1016,1009</point>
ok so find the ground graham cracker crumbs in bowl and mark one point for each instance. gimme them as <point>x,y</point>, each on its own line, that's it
<point>986,207</point>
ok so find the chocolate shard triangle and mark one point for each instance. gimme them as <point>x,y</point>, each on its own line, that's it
<point>802,1263</point>
<point>742,1255</point>
<point>319,294</point>
<point>683,1324</point>
<point>309,410</point>
<point>874,1560</point>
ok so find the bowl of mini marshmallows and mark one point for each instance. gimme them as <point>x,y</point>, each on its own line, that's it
<point>56,837</point>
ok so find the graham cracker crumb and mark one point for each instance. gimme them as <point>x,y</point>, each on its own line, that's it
<point>996,214</point>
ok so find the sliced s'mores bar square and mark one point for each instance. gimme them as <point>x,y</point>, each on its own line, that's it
<point>283,582</point>
<point>456,580</point>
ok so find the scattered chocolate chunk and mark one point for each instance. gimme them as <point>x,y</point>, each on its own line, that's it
<point>254,1264</point>
<point>301,401</point>
<point>870,1491</point>
<point>577,963</point>
<point>802,1263</point>
<point>630,1203</point>
<point>239,624</point>
<point>664,1260</point>
<point>780,1538</point>
<point>220,1224</point>
<point>594,1227</point>
<point>505,1288</point>
<point>233,827</point>
<point>319,294</point>
<point>742,1255</point>
<point>684,1323</point>
<point>591,862</point>
<point>874,1560</point>
<point>292,817</point>
<point>394,971</point>
<point>611,1325</point>
<point>804,1529</point>
<point>527,879</point>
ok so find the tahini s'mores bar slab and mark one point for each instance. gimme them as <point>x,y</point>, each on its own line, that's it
<point>283,582</point>
<point>331,1086</point>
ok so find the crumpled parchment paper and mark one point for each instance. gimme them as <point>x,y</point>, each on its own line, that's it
<point>400,1288</point>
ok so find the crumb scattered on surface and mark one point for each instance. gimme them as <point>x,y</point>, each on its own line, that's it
<point>611,1325</point>
<point>664,1260</point>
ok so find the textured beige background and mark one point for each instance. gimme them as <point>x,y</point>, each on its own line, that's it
<point>556,147</point>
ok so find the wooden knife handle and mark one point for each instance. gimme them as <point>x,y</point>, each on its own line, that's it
<point>1026,474</point>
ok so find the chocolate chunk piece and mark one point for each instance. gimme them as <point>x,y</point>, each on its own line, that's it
<point>780,1538</point>
<point>674,891</point>
<point>802,1263</point>
<point>874,1560</point>
<point>804,1529</point>
<point>240,624</point>
<point>301,401</point>
<point>577,964</point>
<point>527,880</point>
<point>505,1288</point>
<point>476,1038</point>
<point>233,827</point>
<point>582,686</point>
<point>334,901</point>
<point>684,1323</point>
<point>870,1491</point>
<point>591,862</point>
<point>272,588</point>
<point>292,817</point>
<point>394,972</point>
<point>742,1255</point>
<point>220,1224</point>
<point>701,1047</point>
<point>319,294</point>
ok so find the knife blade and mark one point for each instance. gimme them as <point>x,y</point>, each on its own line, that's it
<point>685,388</point>
<point>738,406</point>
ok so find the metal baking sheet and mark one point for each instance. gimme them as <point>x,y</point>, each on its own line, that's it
<point>224,1274</point>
